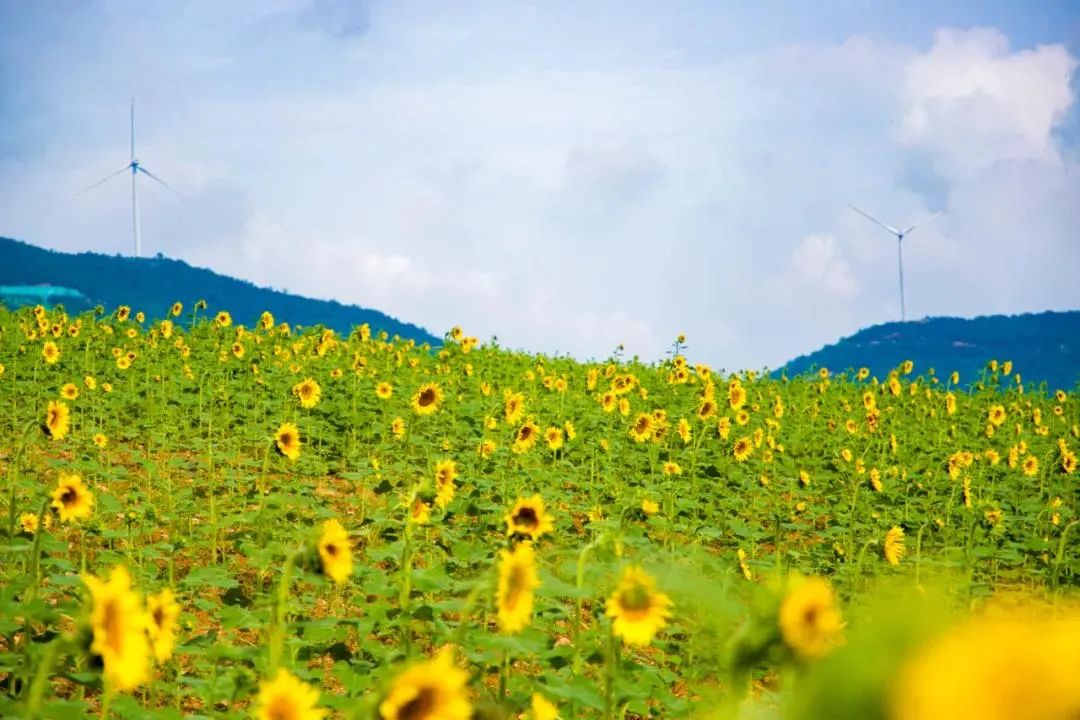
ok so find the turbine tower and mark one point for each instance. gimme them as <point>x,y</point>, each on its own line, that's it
<point>900,234</point>
<point>135,168</point>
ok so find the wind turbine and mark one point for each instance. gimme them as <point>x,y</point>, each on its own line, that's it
<point>900,234</point>
<point>136,167</point>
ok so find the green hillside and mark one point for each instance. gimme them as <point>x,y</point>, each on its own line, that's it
<point>154,284</point>
<point>1044,347</point>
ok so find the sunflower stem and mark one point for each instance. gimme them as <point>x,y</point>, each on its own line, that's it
<point>277,629</point>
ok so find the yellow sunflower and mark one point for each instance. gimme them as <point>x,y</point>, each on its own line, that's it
<point>893,548</point>
<point>335,552</point>
<point>287,439</point>
<point>308,392</point>
<point>809,621</point>
<point>517,581</point>
<point>1031,466</point>
<point>526,437</point>
<point>540,708</point>
<point>176,309</point>
<point>50,352</point>
<point>736,395</point>
<point>513,407</point>
<point>286,697</point>
<point>384,390</point>
<point>69,391</point>
<point>397,427</point>
<point>742,449</point>
<point>554,437</point>
<point>223,319</point>
<point>118,623</point>
<point>445,474</point>
<point>637,610</point>
<point>162,612</point>
<point>528,518</point>
<point>431,690</point>
<point>57,420</point>
<point>71,499</point>
<point>998,666</point>
<point>996,415</point>
<point>642,428</point>
<point>427,399</point>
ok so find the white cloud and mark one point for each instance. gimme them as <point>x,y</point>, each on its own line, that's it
<point>818,263</point>
<point>450,169</point>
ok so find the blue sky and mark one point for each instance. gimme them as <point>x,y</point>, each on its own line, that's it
<point>567,176</point>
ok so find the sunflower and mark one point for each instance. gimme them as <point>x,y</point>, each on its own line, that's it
<point>176,309</point>
<point>528,519</point>
<point>286,697</point>
<point>427,399</point>
<point>118,623</point>
<point>554,437</point>
<point>608,401</point>
<point>287,439</point>
<point>397,427</point>
<point>723,427</point>
<point>123,362</point>
<point>57,420</point>
<point>1031,466</point>
<point>266,321</point>
<point>540,708</point>
<point>162,612</point>
<point>223,319</point>
<point>335,554</point>
<point>384,390</point>
<point>649,507</point>
<point>950,403</point>
<point>100,440</point>
<point>71,498</point>
<point>513,407</point>
<point>742,449</point>
<point>736,395</point>
<point>431,690</point>
<point>238,350</point>
<point>28,522</point>
<point>642,428</point>
<point>123,313</point>
<point>69,391</point>
<point>893,548</point>
<point>996,416</point>
<point>308,392</point>
<point>525,437</point>
<point>706,409</point>
<point>636,609</point>
<point>997,666</point>
<point>445,474</point>
<point>672,468</point>
<point>744,567</point>
<point>809,621</point>
<point>420,512</point>
<point>517,581</point>
<point>50,352</point>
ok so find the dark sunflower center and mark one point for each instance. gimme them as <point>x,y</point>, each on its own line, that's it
<point>525,433</point>
<point>642,425</point>
<point>331,549</point>
<point>282,707</point>
<point>420,707</point>
<point>635,599</point>
<point>159,616</point>
<point>69,497</point>
<point>527,517</point>
<point>810,616</point>
<point>427,397</point>
<point>114,631</point>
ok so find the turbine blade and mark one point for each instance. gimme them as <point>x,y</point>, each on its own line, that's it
<point>920,223</point>
<point>167,185</point>
<point>107,177</point>
<point>873,219</point>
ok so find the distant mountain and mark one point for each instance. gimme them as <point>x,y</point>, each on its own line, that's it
<point>154,284</point>
<point>1042,346</point>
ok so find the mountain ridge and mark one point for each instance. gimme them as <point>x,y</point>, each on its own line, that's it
<point>1044,347</point>
<point>153,284</point>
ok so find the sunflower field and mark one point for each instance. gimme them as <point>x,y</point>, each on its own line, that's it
<point>207,520</point>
